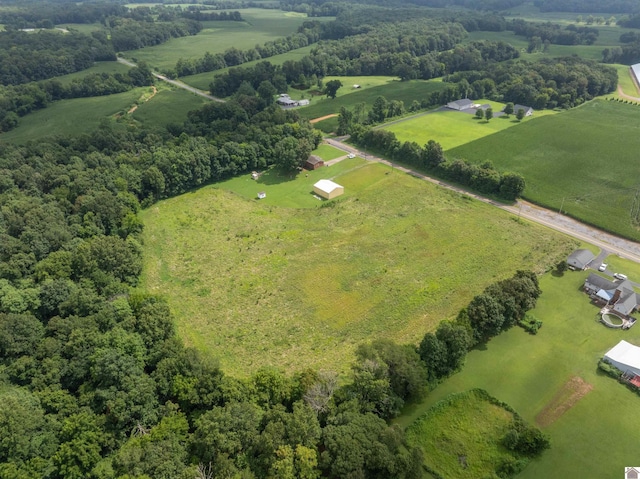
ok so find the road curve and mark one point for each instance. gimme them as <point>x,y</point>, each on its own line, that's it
<point>176,83</point>
<point>625,248</point>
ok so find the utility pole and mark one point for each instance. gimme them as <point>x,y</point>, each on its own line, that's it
<point>561,205</point>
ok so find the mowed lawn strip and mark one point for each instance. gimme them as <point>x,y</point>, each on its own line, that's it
<point>288,283</point>
<point>583,160</point>
<point>535,374</point>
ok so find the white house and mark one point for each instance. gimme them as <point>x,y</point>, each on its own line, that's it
<point>328,189</point>
<point>625,357</point>
<point>460,105</point>
<point>528,111</point>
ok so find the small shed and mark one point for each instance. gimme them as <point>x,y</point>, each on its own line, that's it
<point>262,195</point>
<point>625,357</point>
<point>328,189</point>
<point>580,259</point>
<point>303,102</point>
<point>313,163</point>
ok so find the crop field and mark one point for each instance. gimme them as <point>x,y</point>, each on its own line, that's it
<point>202,80</point>
<point>454,128</point>
<point>285,282</point>
<point>98,67</point>
<point>260,26</point>
<point>66,117</point>
<point>167,107</point>
<point>582,161</point>
<point>391,89</point>
<point>552,380</point>
<point>461,436</point>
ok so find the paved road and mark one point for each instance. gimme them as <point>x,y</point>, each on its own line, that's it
<point>177,83</point>
<point>613,244</point>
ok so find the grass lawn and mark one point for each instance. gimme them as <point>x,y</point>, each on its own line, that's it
<point>98,67</point>
<point>624,266</point>
<point>260,26</point>
<point>168,106</point>
<point>328,152</point>
<point>202,80</point>
<point>454,128</point>
<point>390,88</point>
<point>285,282</point>
<point>71,117</point>
<point>461,436</point>
<point>625,81</point>
<point>86,28</point>
<point>552,380</point>
<point>583,160</point>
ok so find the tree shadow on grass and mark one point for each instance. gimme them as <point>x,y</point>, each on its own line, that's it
<point>275,176</point>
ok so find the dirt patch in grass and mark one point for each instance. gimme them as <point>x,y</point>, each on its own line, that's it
<point>326,117</point>
<point>572,391</point>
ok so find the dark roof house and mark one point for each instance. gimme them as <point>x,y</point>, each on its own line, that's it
<point>620,297</point>
<point>313,163</point>
<point>580,258</point>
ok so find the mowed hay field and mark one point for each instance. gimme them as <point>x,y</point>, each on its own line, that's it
<point>258,284</point>
<point>260,26</point>
<point>454,128</point>
<point>168,107</point>
<point>552,380</point>
<point>583,160</point>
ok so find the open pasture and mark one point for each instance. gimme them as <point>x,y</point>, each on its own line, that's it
<point>260,26</point>
<point>98,67</point>
<point>71,117</point>
<point>582,161</point>
<point>168,107</point>
<point>454,128</point>
<point>552,380</point>
<point>288,283</point>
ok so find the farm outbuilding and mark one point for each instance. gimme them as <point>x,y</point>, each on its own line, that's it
<point>460,105</point>
<point>625,357</point>
<point>313,163</point>
<point>328,189</point>
<point>580,259</point>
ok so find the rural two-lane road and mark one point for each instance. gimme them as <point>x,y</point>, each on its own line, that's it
<point>613,244</point>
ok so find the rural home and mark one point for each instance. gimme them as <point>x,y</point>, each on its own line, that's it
<point>528,111</point>
<point>327,189</point>
<point>285,100</point>
<point>313,163</point>
<point>580,259</point>
<point>618,298</point>
<point>460,105</point>
<point>625,357</point>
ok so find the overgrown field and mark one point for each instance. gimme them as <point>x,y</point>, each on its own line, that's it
<point>454,128</point>
<point>168,107</point>
<point>71,117</point>
<point>462,435</point>
<point>583,161</point>
<point>260,26</point>
<point>98,67</point>
<point>256,283</point>
<point>552,380</point>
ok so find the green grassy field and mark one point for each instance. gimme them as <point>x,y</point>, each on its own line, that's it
<point>467,425</point>
<point>391,89</point>
<point>328,152</point>
<point>583,160</point>
<point>260,26</point>
<point>453,128</point>
<point>168,106</point>
<point>68,117</point>
<point>98,67</point>
<point>282,281</point>
<point>82,27</point>
<point>625,82</point>
<point>552,380</point>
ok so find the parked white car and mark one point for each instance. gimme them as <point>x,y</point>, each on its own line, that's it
<point>603,267</point>
<point>351,155</point>
<point>619,276</point>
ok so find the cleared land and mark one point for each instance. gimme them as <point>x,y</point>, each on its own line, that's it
<point>553,371</point>
<point>260,26</point>
<point>167,107</point>
<point>328,152</point>
<point>461,436</point>
<point>583,160</point>
<point>67,117</point>
<point>98,67</point>
<point>283,282</point>
<point>454,128</point>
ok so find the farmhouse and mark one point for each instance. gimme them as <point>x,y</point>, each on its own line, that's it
<point>285,100</point>
<point>460,105</point>
<point>328,189</point>
<point>625,357</point>
<point>528,111</point>
<point>580,259</point>
<point>618,299</point>
<point>313,163</point>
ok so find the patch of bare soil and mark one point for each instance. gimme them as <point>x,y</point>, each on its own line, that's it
<point>570,393</point>
<point>326,117</point>
<point>135,107</point>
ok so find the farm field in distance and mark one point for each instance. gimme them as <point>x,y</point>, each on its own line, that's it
<point>582,160</point>
<point>455,128</point>
<point>266,283</point>
<point>260,26</point>
<point>552,381</point>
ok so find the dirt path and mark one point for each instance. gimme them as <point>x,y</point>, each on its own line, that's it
<point>135,107</point>
<point>625,96</point>
<point>523,209</point>
<point>572,391</point>
<point>326,117</point>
